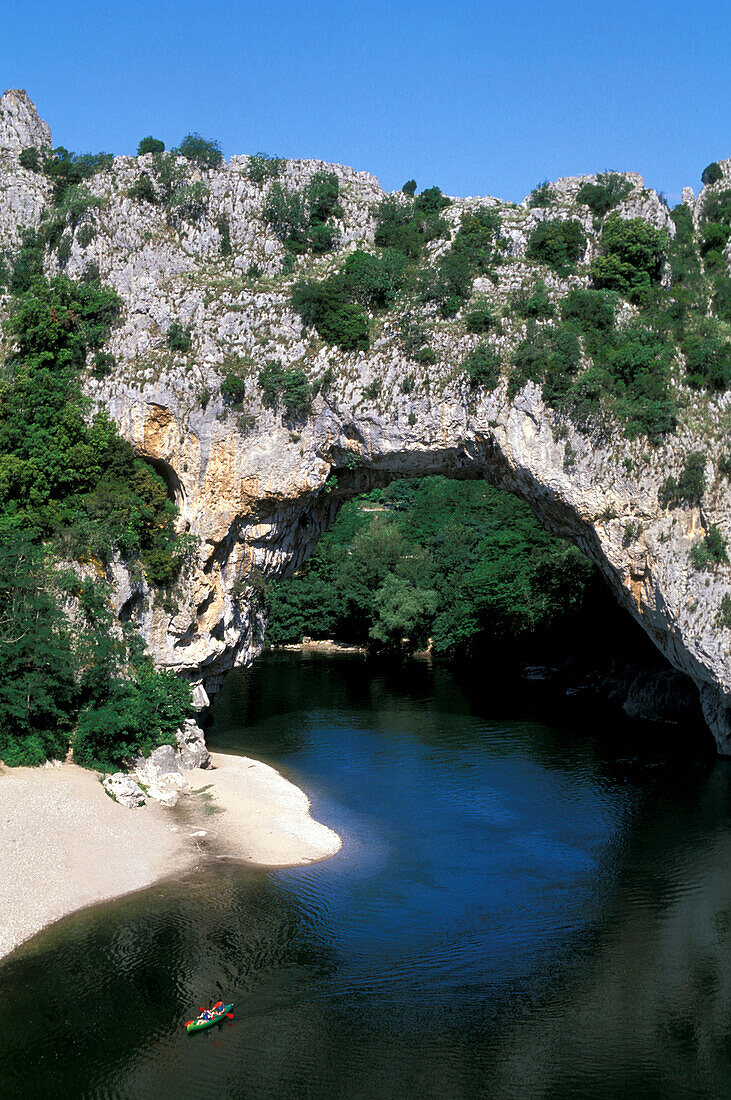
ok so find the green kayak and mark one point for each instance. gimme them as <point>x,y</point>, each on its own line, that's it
<point>200,1025</point>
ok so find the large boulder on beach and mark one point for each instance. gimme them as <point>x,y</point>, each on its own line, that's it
<point>162,762</point>
<point>161,775</point>
<point>123,789</point>
<point>192,751</point>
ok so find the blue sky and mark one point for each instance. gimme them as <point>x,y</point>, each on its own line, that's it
<point>479,98</point>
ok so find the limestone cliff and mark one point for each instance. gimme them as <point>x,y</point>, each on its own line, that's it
<point>257,489</point>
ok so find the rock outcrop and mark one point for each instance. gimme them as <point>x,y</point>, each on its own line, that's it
<point>20,126</point>
<point>256,489</point>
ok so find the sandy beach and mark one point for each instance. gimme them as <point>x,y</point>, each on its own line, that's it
<point>65,844</point>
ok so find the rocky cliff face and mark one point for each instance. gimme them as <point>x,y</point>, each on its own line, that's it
<point>258,489</point>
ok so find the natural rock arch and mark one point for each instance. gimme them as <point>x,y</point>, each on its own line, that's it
<point>260,502</point>
<point>258,491</point>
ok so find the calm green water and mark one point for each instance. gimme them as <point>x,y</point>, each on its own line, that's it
<point>522,908</point>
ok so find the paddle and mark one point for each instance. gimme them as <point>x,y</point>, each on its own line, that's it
<point>218,1004</point>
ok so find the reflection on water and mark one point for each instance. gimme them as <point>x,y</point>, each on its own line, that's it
<point>519,910</point>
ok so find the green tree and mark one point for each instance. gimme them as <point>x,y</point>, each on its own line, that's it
<point>608,191</point>
<point>482,367</point>
<point>150,145</point>
<point>712,173</point>
<point>632,257</point>
<point>559,244</point>
<point>38,690</point>
<point>206,154</point>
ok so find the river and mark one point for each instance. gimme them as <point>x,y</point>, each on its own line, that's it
<point>528,903</point>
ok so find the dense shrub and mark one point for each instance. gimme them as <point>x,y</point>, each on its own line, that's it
<point>481,318</point>
<point>541,196</point>
<point>714,237</point>
<point>411,333</point>
<point>206,154</point>
<point>63,250</point>
<point>223,226</point>
<point>474,251</point>
<point>67,169</point>
<point>529,362</point>
<point>712,173</point>
<point>233,388</point>
<point>169,175</point>
<point>721,298</point>
<point>322,197</point>
<point>291,387</point>
<point>143,190</point>
<point>127,707</point>
<point>179,337</point>
<point>711,552</point>
<point>262,167</point>
<point>690,486</point>
<point>549,357</point>
<point>687,293</point>
<point>325,306</point>
<point>103,364</point>
<point>708,361</point>
<point>431,201</point>
<point>559,244</point>
<point>299,220</point>
<point>409,188</point>
<point>592,310</point>
<point>150,145</point>
<point>717,207</point>
<point>563,363</point>
<point>478,238</point>
<point>533,302</point>
<point>335,306</point>
<point>408,226</point>
<point>61,473</point>
<point>38,689</point>
<point>86,234</point>
<point>373,279</point>
<point>629,376</point>
<point>322,238</point>
<point>396,227</point>
<point>482,367</point>
<point>631,260</point>
<point>28,263</point>
<point>286,213</point>
<point>637,367</point>
<point>608,191</point>
<point>30,159</point>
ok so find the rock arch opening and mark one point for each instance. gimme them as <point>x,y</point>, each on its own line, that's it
<point>571,627</point>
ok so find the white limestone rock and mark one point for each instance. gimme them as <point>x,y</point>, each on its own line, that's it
<point>192,751</point>
<point>123,789</point>
<point>20,126</point>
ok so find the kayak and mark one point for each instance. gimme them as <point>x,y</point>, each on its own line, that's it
<point>200,1025</point>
